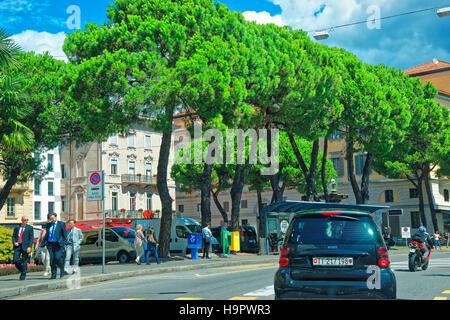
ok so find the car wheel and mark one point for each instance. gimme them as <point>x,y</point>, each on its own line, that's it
<point>123,257</point>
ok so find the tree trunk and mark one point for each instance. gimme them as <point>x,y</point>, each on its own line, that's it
<point>163,190</point>
<point>240,176</point>
<point>365,178</point>
<point>350,171</point>
<point>277,190</point>
<point>324,165</point>
<point>419,188</point>
<point>426,175</point>
<point>14,174</point>
<point>206,194</point>
<point>260,207</point>
<point>222,211</point>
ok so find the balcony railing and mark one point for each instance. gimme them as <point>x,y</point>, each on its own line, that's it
<point>136,178</point>
<point>131,214</point>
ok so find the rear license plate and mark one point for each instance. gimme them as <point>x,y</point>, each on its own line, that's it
<point>412,250</point>
<point>332,261</point>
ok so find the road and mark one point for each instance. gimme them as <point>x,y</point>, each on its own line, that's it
<point>251,282</point>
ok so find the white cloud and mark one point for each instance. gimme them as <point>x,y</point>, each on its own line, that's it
<point>40,42</point>
<point>263,17</point>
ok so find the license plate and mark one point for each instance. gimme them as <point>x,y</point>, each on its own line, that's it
<point>412,250</point>
<point>332,261</point>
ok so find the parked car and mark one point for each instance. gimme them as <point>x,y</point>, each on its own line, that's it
<point>117,247</point>
<point>247,235</point>
<point>328,254</point>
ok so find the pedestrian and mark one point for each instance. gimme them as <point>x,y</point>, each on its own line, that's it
<point>55,239</point>
<point>22,240</point>
<point>437,243</point>
<point>446,239</point>
<point>387,237</point>
<point>139,240</point>
<point>42,251</point>
<point>152,245</point>
<point>72,247</point>
<point>206,235</point>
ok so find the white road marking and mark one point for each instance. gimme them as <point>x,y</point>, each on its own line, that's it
<point>264,292</point>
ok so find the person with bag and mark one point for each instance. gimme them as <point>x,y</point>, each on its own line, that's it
<point>152,245</point>
<point>139,240</point>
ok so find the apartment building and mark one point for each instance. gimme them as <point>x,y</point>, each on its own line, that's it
<point>129,162</point>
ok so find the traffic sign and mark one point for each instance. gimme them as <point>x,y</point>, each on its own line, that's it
<point>406,232</point>
<point>95,186</point>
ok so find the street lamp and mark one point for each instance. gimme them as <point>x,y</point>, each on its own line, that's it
<point>321,35</point>
<point>443,12</point>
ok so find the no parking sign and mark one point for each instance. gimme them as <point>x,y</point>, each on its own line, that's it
<point>406,232</point>
<point>95,186</point>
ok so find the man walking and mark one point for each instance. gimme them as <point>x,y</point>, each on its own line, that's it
<point>206,234</point>
<point>54,239</point>
<point>72,247</point>
<point>22,241</point>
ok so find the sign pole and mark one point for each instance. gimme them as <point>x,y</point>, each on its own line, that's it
<point>103,215</point>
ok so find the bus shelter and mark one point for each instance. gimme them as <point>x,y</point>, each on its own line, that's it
<point>275,219</point>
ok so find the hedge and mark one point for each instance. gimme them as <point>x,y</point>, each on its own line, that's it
<point>6,247</point>
<point>11,269</point>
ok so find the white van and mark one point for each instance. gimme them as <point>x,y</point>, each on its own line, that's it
<point>181,227</point>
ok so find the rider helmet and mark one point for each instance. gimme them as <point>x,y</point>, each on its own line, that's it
<point>422,229</point>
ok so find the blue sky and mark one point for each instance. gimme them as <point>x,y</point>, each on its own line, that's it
<point>403,42</point>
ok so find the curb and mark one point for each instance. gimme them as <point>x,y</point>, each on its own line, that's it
<point>64,284</point>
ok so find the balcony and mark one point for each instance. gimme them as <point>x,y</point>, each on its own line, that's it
<point>139,181</point>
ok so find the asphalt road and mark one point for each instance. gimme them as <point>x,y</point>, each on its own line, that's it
<point>252,282</point>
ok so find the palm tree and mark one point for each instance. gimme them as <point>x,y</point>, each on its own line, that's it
<point>8,50</point>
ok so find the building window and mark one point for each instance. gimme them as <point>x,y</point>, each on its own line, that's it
<point>37,187</point>
<point>63,171</point>
<point>446,196</point>
<point>413,193</point>
<point>148,169</point>
<point>37,210</point>
<point>149,201</point>
<point>50,188</point>
<point>63,204</point>
<point>244,204</point>
<point>181,207</point>
<point>131,140</point>
<point>114,166</point>
<point>50,162</point>
<point>338,164</point>
<point>114,201</point>
<point>113,139</point>
<point>131,167</point>
<point>133,201</point>
<point>334,136</point>
<point>389,196</point>
<point>51,207</point>
<point>415,219</point>
<point>147,142</point>
<point>10,213</point>
<point>226,206</point>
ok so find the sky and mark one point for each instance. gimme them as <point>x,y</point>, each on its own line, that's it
<point>400,42</point>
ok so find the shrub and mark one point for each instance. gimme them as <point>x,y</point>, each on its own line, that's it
<point>11,269</point>
<point>6,247</point>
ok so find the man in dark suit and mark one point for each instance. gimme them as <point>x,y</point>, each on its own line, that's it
<point>55,239</point>
<point>22,242</point>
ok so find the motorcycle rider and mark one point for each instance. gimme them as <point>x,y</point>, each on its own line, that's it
<point>423,237</point>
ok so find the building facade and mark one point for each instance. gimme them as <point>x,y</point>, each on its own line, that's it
<point>129,162</point>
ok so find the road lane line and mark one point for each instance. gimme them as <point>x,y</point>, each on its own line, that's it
<point>264,292</point>
<point>230,272</point>
<point>446,291</point>
<point>440,298</point>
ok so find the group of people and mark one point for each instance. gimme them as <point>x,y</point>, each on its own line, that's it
<point>56,245</point>
<point>145,243</point>
<point>437,239</point>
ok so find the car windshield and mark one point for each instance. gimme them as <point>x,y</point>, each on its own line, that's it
<point>315,230</point>
<point>124,232</point>
<point>194,228</point>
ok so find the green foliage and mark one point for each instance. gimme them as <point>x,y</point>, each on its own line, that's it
<point>6,247</point>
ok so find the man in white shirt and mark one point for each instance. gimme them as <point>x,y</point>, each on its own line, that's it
<point>206,235</point>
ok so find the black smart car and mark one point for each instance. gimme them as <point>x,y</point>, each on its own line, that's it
<point>334,254</point>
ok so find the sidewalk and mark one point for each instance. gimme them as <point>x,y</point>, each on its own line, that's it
<point>35,282</point>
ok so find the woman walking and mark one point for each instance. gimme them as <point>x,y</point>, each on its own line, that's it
<point>436,240</point>
<point>139,240</point>
<point>446,239</point>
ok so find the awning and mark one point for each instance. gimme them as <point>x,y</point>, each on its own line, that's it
<point>296,206</point>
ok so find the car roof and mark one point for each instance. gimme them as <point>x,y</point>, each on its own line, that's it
<point>343,212</point>
<point>296,206</point>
